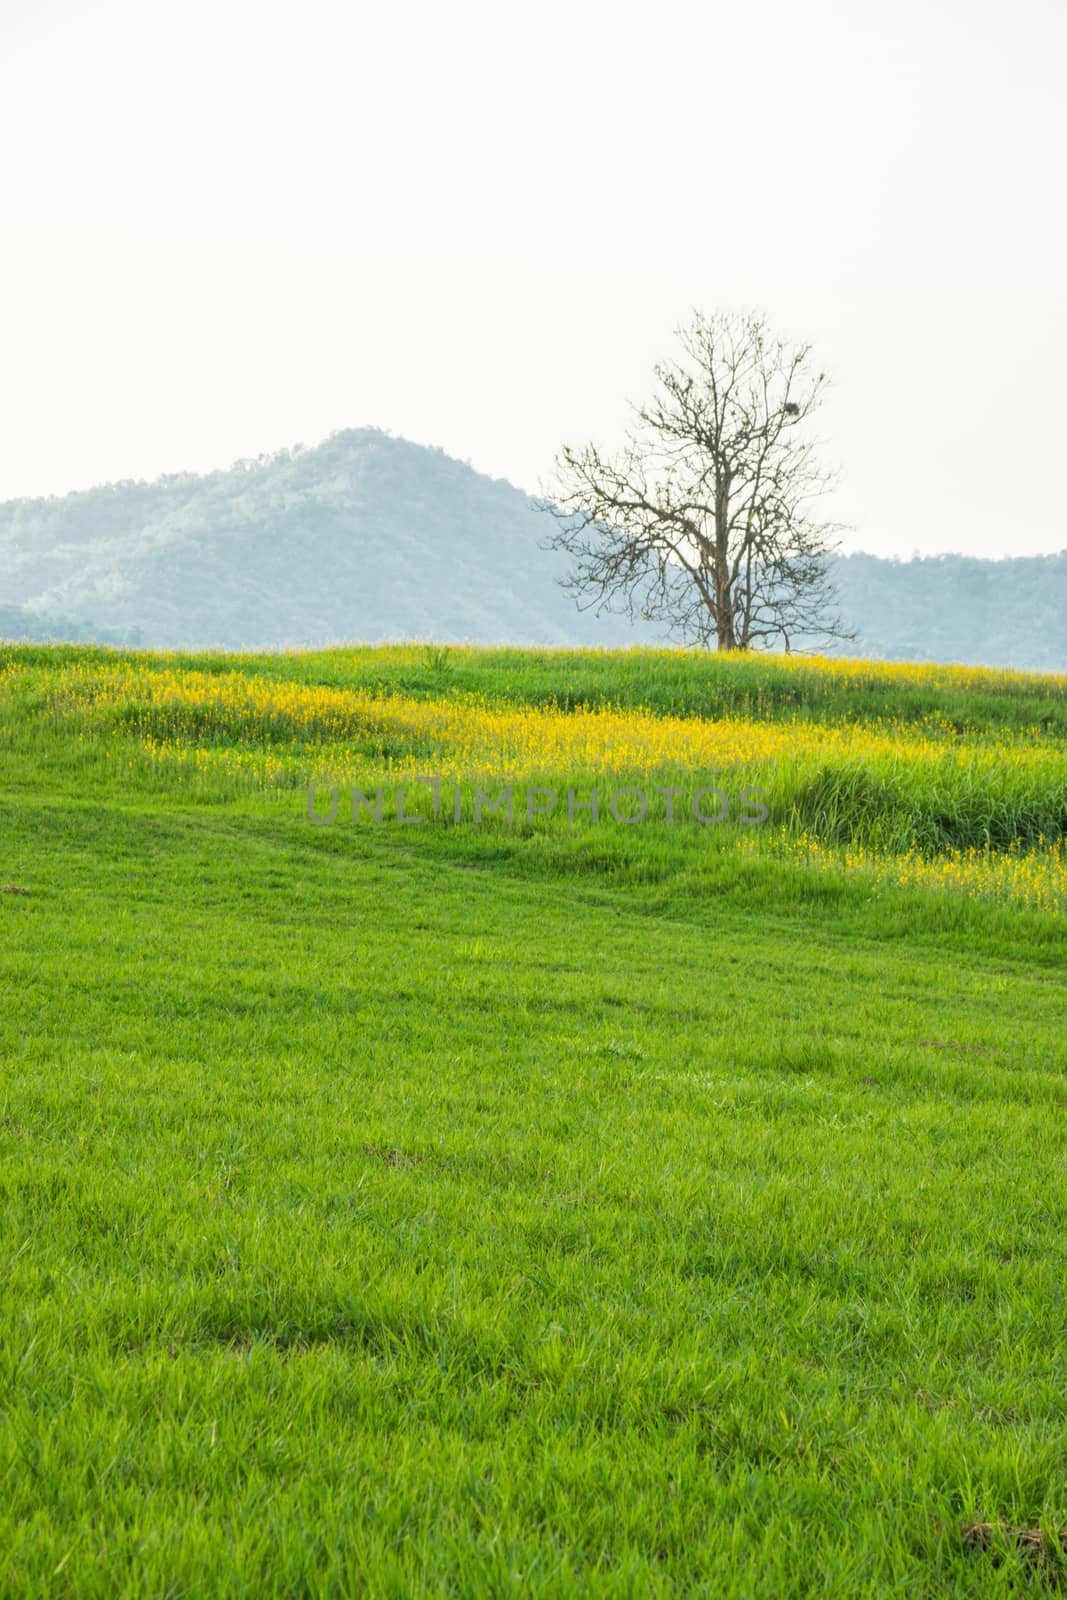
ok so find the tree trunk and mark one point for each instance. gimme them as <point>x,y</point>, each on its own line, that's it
<point>724,627</point>
<point>724,600</point>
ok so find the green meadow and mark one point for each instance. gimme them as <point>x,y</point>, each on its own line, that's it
<point>507,1209</point>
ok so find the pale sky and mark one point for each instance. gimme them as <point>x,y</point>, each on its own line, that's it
<point>233,226</point>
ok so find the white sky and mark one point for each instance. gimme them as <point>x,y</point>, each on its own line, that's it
<point>232,226</point>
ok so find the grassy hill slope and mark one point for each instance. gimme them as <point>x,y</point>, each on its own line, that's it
<point>523,1209</point>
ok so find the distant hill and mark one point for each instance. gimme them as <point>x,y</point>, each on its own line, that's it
<point>368,537</point>
<point>1008,613</point>
<point>364,537</point>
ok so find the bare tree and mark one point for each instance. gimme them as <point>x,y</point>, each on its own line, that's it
<point>702,521</point>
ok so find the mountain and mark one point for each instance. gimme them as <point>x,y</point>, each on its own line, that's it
<point>1008,613</point>
<point>365,537</point>
<point>368,537</point>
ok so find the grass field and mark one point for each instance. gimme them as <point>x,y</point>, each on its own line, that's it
<point>530,1208</point>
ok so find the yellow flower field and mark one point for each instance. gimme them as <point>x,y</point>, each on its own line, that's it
<point>911,803</point>
<point>1035,877</point>
<point>179,711</point>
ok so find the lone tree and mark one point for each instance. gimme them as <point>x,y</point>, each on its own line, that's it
<point>702,519</point>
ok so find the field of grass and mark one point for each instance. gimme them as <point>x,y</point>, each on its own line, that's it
<point>463,1209</point>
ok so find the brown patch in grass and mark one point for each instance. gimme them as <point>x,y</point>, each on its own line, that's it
<point>987,1538</point>
<point>931,1402</point>
<point>12,888</point>
<point>391,1158</point>
<point>955,1044</point>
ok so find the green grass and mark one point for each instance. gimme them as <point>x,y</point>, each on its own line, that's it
<point>681,682</point>
<point>456,1211</point>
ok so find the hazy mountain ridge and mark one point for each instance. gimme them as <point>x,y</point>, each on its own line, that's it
<point>1010,613</point>
<point>364,537</point>
<point>368,537</point>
